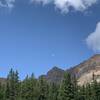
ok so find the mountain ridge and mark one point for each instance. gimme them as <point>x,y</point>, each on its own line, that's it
<point>83,71</point>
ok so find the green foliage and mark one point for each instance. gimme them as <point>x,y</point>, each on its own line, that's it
<point>12,87</point>
<point>29,89</point>
<point>53,91</point>
<point>43,89</point>
<point>88,92</point>
<point>66,91</point>
<point>39,89</point>
<point>2,92</point>
<point>82,93</point>
<point>95,90</point>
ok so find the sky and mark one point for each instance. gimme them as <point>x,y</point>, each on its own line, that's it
<point>36,35</point>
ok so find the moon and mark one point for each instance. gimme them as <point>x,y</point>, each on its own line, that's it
<point>53,55</point>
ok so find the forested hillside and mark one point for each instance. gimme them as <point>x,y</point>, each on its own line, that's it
<point>39,89</point>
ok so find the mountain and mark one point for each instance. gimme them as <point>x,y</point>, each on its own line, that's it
<point>84,72</point>
<point>88,70</point>
<point>3,80</point>
<point>55,75</point>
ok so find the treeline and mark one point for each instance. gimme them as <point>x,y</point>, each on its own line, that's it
<point>39,89</point>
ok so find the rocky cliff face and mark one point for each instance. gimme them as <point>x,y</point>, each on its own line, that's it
<point>88,70</point>
<point>55,75</point>
<point>84,71</point>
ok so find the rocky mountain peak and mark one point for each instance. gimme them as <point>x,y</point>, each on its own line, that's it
<point>88,68</point>
<point>55,75</point>
<point>83,71</point>
<point>96,57</point>
<point>54,69</point>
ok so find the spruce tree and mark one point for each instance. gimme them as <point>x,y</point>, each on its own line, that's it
<point>43,88</point>
<point>7,92</point>
<point>2,91</point>
<point>53,91</point>
<point>25,88</point>
<point>88,92</point>
<point>12,85</point>
<point>82,93</point>
<point>66,91</point>
<point>75,87</point>
<point>95,90</point>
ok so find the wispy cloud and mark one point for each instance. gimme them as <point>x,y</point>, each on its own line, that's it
<point>7,3</point>
<point>93,40</point>
<point>65,5</point>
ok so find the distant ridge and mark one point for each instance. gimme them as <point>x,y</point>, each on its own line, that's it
<point>84,71</point>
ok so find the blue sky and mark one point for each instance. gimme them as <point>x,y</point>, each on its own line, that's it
<point>39,34</point>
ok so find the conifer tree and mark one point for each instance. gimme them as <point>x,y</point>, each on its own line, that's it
<point>33,88</point>
<point>25,89</point>
<point>66,91</point>
<point>88,92</point>
<point>7,92</point>
<point>95,90</point>
<point>43,88</point>
<point>39,89</point>
<point>2,92</point>
<point>53,91</point>
<point>82,93</point>
<point>12,85</point>
<point>75,87</point>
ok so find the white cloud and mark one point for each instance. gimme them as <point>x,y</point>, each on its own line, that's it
<point>7,3</point>
<point>93,40</point>
<point>64,5</point>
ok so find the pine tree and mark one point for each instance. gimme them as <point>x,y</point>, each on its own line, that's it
<point>98,91</point>
<point>82,93</point>
<point>7,92</point>
<point>53,91</point>
<point>95,90</point>
<point>17,85</point>
<point>43,88</point>
<point>39,89</point>
<point>33,90</point>
<point>2,91</point>
<point>75,87</point>
<point>25,88</point>
<point>88,92</point>
<point>12,85</point>
<point>66,91</point>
